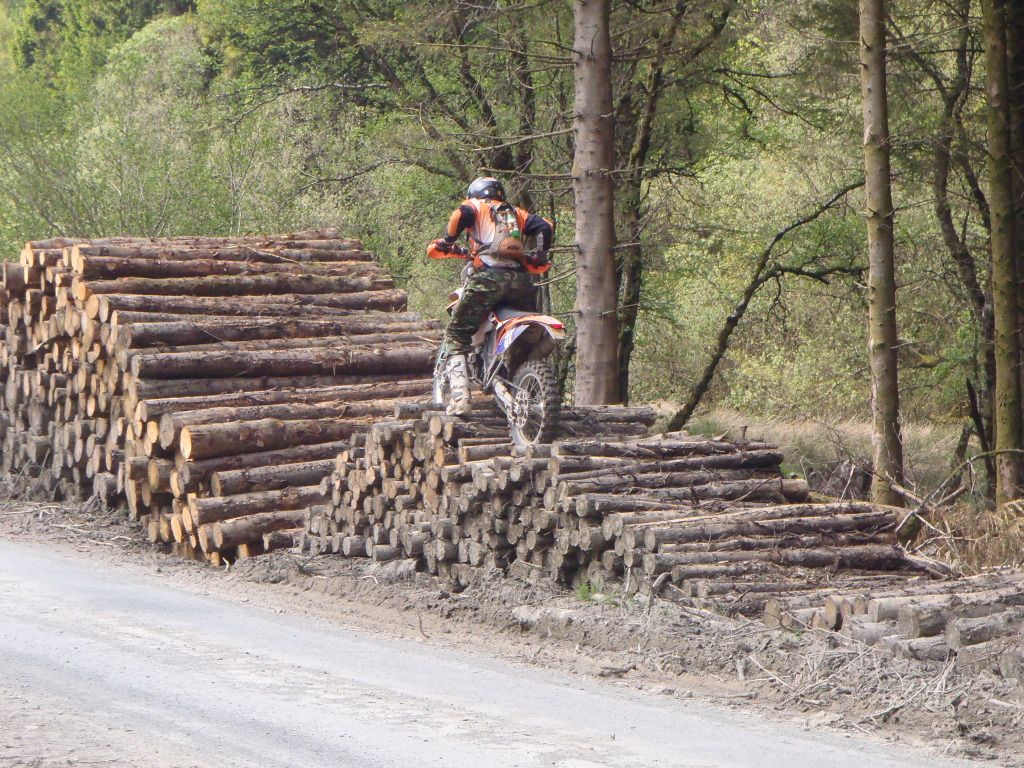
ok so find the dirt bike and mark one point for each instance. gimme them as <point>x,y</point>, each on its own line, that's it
<point>511,357</point>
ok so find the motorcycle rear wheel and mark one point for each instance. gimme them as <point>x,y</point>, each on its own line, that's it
<point>538,402</point>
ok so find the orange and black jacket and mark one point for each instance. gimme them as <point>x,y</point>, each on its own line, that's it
<point>466,217</point>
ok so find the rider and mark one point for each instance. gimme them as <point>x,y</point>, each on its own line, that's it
<point>499,273</point>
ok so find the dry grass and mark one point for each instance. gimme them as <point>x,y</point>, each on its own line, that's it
<point>807,444</point>
<point>974,536</point>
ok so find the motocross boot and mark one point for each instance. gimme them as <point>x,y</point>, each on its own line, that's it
<point>458,383</point>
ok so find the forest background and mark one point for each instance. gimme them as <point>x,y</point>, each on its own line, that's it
<point>736,121</point>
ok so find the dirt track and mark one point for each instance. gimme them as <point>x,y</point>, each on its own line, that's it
<point>114,652</point>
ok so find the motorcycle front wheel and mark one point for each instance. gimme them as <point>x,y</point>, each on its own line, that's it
<point>537,403</point>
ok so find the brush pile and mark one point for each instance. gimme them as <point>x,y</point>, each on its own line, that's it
<point>208,383</point>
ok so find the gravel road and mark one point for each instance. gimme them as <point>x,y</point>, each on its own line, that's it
<point>100,665</point>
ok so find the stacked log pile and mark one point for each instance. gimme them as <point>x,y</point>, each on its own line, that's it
<point>206,382</point>
<point>423,485</point>
<point>623,507</point>
<point>711,523</point>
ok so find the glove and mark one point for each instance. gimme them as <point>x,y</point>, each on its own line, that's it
<point>539,258</point>
<point>443,245</point>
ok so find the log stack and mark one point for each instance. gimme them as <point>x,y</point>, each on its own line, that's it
<point>711,523</point>
<point>456,495</point>
<point>206,382</point>
<point>424,477</point>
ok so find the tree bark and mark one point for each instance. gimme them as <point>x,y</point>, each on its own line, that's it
<point>886,438</point>
<point>182,332</point>
<point>190,474</point>
<point>99,306</point>
<point>106,268</point>
<point>408,360</point>
<point>1007,415</point>
<point>270,478</point>
<point>215,509</point>
<point>594,190</point>
<point>137,389</point>
<point>353,393</point>
<point>882,520</point>
<point>867,557</point>
<point>245,530</point>
<point>171,424</point>
<point>206,441</point>
<point>264,286</point>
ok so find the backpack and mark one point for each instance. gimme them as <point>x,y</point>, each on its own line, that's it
<point>507,241</point>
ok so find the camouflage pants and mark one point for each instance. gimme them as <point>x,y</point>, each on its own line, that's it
<point>483,291</point>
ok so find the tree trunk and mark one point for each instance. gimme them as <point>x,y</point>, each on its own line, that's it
<point>634,468</point>
<point>324,251</point>
<point>124,357</point>
<point>593,187</point>
<point>660,448</point>
<point>699,472</point>
<point>1015,77</point>
<point>956,245</point>
<point>723,486</point>
<point>1015,99</point>
<point>1004,268</point>
<point>886,438</point>
<point>286,539</point>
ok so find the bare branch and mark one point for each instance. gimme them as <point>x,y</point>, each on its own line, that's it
<point>757,279</point>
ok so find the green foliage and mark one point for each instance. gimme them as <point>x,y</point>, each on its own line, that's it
<point>7,27</point>
<point>69,39</point>
<point>220,116</point>
<point>585,591</point>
